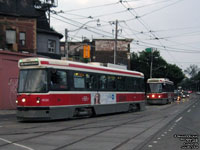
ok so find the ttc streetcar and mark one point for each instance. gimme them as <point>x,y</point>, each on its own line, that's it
<point>160,91</point>
<point>50,89</point>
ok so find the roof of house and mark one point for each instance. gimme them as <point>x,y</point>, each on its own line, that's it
<point>50,31</point>
<point>18,8</point>
<point>127,40</point>
<point>25,8</point>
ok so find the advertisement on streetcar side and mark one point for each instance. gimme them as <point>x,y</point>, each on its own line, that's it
<point>103,98</point>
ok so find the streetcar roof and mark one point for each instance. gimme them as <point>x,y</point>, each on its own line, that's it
<point>37,62</point>
<point>159,80</point>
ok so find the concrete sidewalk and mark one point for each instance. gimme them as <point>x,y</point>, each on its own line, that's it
<point>7,112</point>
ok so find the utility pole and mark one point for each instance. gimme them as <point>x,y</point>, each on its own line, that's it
<point>150,50</point>
<point>151,67</point>
<point>66,44</point>
<point>116,35</point>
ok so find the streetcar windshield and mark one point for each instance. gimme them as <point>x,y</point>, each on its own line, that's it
<point>32,81</point>
<point>155,87</point>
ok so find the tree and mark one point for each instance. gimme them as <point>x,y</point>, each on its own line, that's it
<point>192,70</point>
<point>141,62</point>
<point>160,69</point>
<point>174,73</point>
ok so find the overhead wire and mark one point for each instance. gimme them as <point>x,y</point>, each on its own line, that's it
<point>161,46</point>
<point>161,8</point>
<point>91,7</point>
<point>98,32</point>
<point>152,33</point>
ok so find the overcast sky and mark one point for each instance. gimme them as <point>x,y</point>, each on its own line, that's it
<point>171,26</point>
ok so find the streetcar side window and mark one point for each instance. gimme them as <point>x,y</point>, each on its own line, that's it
<point>102,82</point>
<point>91,81</point>
<point>130,84</point>
<point>111,83</point>
<point>165,87</point>
<point>141,85</point>
<point>79,80</point>
<point>135,84</point>
<point>58,80</point>
<point>121,83</point>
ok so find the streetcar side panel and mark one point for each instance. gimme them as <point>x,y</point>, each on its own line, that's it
<point>67,92</point>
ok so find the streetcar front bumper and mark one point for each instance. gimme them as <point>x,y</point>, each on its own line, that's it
<point>33,113</point>
<point>156,101</point>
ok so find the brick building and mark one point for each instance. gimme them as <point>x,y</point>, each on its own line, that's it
<point>9,78</point>
<point>102,50</point>
<point>25,27</point>
<point>24,32</point>
<point>18,25</point>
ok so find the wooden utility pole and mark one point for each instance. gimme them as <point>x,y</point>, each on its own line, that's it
<point>66,44</point>
<point>116,35</point>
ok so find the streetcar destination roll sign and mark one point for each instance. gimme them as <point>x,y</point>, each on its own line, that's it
<point>30,63</point>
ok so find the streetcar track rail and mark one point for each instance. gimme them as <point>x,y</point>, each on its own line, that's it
<point>109,127</point>
<point>64,129</point>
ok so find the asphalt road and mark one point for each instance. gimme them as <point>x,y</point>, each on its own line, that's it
<point>182,133</point>
<point>125,131</point>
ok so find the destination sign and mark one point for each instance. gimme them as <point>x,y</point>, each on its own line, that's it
<point>30,63</point>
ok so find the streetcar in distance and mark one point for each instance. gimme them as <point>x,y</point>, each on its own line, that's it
<point>50,89</point>
<point>160,91</point>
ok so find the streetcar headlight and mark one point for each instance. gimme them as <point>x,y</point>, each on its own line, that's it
<point>153,96</point>
<point>38,100</point>
<point>23,100</point>
<point>16,101</point>
<point>159,96</point>
<point>147,96</point>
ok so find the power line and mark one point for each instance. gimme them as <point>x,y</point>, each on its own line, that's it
<point>161,8</point>
<point>98,32</point>
<point>97,6</point>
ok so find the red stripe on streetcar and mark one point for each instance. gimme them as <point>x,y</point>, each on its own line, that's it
<point>44,63</point>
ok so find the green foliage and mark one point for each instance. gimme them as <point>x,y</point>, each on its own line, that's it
<point>193,80</point>
<point>192,70</point>
<point>161,69</point>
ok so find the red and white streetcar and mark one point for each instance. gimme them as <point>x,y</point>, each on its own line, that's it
<point>160,91</point>
<point>51,89</point>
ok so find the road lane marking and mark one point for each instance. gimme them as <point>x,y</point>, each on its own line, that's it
<point>19,145</point>
<point>159,138</point>
<point>155,142</point>
<point>150,145</point>
<point>165,132</point>
<point>162,135</point>
<point>1,126</point>
<point>189,110</point>
<point>178,119</point>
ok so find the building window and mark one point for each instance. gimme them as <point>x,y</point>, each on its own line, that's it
<point>22,38</point>
<point>51,46</point>
<point>10,36</point>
